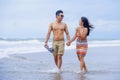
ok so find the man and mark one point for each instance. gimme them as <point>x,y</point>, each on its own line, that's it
<point>58,28</point>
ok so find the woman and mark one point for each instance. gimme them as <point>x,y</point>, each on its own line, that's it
<point>81,43</point>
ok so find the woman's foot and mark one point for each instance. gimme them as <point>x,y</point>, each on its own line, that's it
<point>85,70</point>
<point>81,73</point>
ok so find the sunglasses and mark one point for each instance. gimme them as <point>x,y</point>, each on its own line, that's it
<point>61,15</point>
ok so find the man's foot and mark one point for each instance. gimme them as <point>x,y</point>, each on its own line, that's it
<point>58,71</point>
<point>55,70</point>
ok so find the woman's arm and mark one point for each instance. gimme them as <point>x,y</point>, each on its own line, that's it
<point>73,38</point>
<point>69,42</point>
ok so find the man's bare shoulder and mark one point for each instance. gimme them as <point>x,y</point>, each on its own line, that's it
<point>64,23</point>
<point>51,23</point>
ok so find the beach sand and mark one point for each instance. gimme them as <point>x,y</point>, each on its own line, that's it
<point>103,63</point>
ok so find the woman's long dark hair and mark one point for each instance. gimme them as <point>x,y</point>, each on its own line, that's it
<point>86,24</point>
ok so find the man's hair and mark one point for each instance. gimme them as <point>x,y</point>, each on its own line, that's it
<point>58,12</point>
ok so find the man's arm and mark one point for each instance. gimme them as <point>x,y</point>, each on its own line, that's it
<point>67,33</point>
<point>48,34</point>
<point>74,37</point>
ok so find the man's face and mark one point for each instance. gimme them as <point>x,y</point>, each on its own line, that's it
<point>60,16</point>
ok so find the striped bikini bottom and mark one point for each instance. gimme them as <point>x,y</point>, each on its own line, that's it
<point>81,47</point>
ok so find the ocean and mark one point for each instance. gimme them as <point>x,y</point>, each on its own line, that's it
<point>17,46</point>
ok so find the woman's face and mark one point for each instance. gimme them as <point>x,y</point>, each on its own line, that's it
<point>80,23</point>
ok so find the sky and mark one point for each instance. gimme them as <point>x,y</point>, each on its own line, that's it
<point>24,19</point>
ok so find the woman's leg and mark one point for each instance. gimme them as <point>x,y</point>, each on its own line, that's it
<point>85,68</point>
<point>82,62</point>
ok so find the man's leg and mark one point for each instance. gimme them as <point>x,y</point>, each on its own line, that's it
<point>59,61</point>
<point>55,59</point>
<point>55,52</point>
<point>60,54</point>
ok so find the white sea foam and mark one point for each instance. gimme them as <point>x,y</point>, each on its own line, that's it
<point>30,46</point>
<point>18,47</point>
<point>108,43</point>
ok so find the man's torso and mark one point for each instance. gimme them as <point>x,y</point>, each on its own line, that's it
<point>58,31</point>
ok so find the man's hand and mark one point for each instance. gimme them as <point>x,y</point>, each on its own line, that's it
<point>68,43</point>
<point>45,44</point>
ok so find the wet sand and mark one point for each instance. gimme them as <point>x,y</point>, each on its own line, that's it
<point>103,63</point>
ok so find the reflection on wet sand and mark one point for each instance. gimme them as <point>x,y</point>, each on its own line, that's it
<point>82,77</point>
<point>58,76</point>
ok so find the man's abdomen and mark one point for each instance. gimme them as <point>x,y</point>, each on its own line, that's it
<point>58,37</point>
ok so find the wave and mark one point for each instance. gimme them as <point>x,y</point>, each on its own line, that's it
<point>30,46</point>
<point>19,47</point>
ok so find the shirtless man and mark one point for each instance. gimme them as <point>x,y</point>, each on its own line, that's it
<point>58,28</point>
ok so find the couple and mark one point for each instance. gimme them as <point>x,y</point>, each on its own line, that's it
<point>58,28</point>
